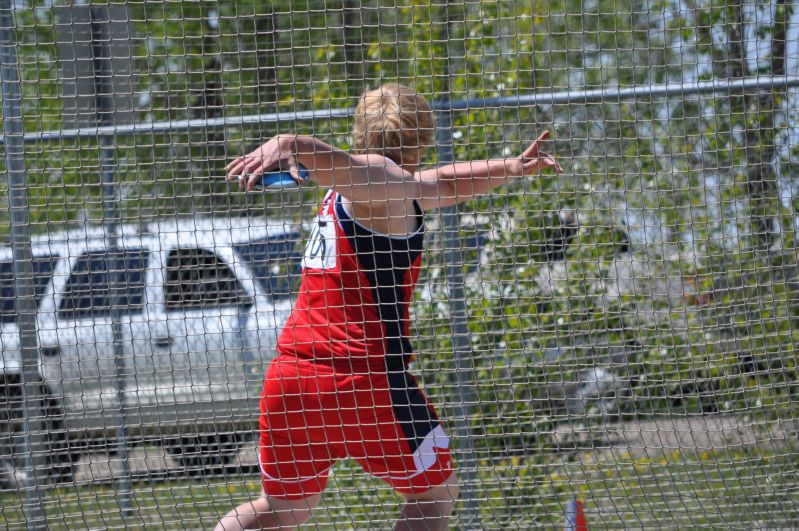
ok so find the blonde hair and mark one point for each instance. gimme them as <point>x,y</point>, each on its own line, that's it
<point>394,121</point>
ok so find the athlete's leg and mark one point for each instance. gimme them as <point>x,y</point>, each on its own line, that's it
<point>400,440</point>
<point>294,470</point>
<point>268,512</point>
<point>429,511</point>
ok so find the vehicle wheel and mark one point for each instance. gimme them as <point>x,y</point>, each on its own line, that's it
<point>13,470</point>
<point>206,453</point>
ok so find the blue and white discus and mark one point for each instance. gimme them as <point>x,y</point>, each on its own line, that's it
<point>275,181</point>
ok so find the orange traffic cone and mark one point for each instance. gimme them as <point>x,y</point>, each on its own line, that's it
<point>575,518</point>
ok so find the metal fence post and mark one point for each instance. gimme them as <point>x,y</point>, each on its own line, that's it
<point>461,345</point>
<point>32,399</point>
<point>103,70</point>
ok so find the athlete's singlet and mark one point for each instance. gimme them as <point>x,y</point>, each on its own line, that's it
<point>356,290</point>
<point>339,386</point>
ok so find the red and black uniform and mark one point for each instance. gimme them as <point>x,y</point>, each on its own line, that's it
<point>339,386</point>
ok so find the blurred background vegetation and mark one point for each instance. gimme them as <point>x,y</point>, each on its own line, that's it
<point>656,276</point>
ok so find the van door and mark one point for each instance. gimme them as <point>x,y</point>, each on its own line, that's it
<point>275,263</point>
<point>198,356</point>
<point>43,267</point>
<point>83,321</point>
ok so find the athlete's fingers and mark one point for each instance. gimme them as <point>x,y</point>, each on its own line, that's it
<point>558,167</point>
<point>234,164</point>
<point>252,161</point>
<point>250,167</point>
<point>548,161</point>
<point>234,168</point>
<point>543,161</point>
<point>257,165</point>
<point>237,170</point>
<point>294,169</point>
<point>244,175</point>
<point>533,159</point>
<point>251,157</point>
<point>245,170</point>
<point>532,151</point>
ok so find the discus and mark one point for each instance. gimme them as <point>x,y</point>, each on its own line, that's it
<point>274,181</point>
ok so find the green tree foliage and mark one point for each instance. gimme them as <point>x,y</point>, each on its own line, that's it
<point>696,315</point>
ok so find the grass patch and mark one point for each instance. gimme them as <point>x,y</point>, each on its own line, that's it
<point>742,489</point>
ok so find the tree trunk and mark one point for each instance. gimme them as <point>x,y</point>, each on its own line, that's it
<point>352,20</point>
<point>758,113</point>
<point>266,86</point>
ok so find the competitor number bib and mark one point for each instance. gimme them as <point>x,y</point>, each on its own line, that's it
<point>320,253</point>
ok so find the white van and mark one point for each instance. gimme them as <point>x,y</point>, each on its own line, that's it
<point>197,304</point>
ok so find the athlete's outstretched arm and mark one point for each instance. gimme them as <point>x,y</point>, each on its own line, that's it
<point>455,183</point>
<point>368,178</point>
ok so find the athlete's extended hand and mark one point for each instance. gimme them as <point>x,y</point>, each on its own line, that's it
<point>277,152</point>
<point>534,160</point>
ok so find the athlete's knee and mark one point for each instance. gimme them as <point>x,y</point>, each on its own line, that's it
<point>454,490</point>
<point>429,510</point>
<point>269,513</point>
<point>293,513</point>
<point>444,494</point>
<point>447,492</point>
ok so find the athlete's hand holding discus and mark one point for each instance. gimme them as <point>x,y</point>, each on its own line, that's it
<point>277,153</point>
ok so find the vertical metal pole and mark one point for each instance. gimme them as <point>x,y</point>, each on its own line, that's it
<point>101,43</point>
<point>461,344</point>
<point>453,18</point>
<point>33,436</point>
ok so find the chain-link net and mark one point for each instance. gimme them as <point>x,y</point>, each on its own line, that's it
<point>621,333</point>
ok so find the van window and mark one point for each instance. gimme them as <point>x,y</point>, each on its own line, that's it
<point>198,278</point>
<point>88,290</point>
<point>275,264</point>
<point>42,271</point>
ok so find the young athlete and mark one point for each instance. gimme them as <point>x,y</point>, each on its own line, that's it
<point>339,386</point>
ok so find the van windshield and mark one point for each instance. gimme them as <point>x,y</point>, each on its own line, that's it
<point>42,271</point>
<point>275,263</point>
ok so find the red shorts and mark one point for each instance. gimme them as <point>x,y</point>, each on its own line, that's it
<point>312,416</point>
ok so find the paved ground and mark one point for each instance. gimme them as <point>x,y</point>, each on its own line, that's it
<point>153,462</point>
<point>655,437</point>
<point>649,438</point>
